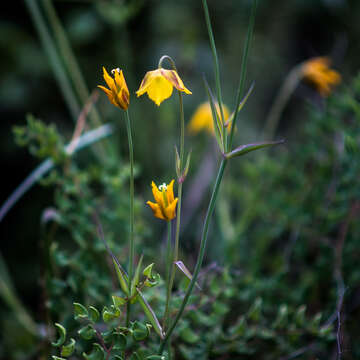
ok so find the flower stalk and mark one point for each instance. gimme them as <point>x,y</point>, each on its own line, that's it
<point>131,234</point>
<point>201,254</point>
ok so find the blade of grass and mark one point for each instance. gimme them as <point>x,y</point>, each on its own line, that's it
<point>69,58</point>
<point>55,61</point>
<point>243,70</point>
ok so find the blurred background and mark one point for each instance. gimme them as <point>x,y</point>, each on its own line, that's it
<point>133,35</point>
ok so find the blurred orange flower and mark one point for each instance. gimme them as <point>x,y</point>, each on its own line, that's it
<point>317,72</point>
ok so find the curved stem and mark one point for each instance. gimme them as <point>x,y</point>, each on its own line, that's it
<point>201,254</point>
<point>131,234</point>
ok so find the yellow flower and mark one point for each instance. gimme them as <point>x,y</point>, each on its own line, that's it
<point>165,205</point>
<point>317,72</point>
<point>159,85</point>
<point>202,118</point>
<point>118,92</point>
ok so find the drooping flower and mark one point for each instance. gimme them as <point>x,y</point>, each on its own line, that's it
<point>317,72</point>
<point>159,85</point>
<point>202,118</point>
<point>165,205</point>
<point>118,92</point>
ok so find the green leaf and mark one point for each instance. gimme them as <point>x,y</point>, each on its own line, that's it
<point>94,314</point>
<point>156,357</point>
<point>300,315</point>
<point>181,266</point>
<point>122,277</point>
<point>140,331</point>
<point>282,317</point>
<point>244,149</point>
<point>255,311</point>
<point>68,349</point>
<point>57,357</point>
<point>150,314</point>
<point>62,335</point>
<point>135,280</point>
<point>135,356</point>
<point>111,313</point>
<point>189,336</point>
<point>97,353</point>
<point>148,271</point>
<point>87,332</point>
<point>119,341</point>
<point>80,311</point>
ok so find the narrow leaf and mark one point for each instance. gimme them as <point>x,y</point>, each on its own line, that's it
<point>216,120</point>
<point>177,162</point>
<point>242,103</point>
<point>244,149</point>
<point>149,312</point>
<point>186,272</point>
<point>122,277</point>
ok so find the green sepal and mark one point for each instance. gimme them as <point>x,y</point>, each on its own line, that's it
<point>177,163</point>
<point>97,353</point>
<point>118,301</point>
<point>135,280</point>
<point>80,311</point>
<point>68,349</point>
<point>155,279</point>
<point>148,271</point>
<point>94,314</point>
<point>244,149</point>
<point>62,335</point>
<point>87,332</point>
<point>149,312</point>
<point>122,277</point>
<point>181,266</point>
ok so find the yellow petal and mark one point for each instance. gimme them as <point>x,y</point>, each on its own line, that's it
<point>159,89</point>
<point>109,94</point>
<point>170,192</point>
<point>156,210</point>
<point>146,81</point>
<point>170,210</point>
<point>157,193</point>
<point>175,80</point>
<point>109,81</point>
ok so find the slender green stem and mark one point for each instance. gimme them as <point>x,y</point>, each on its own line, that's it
<point>168,271</point>
<point>55,61</point>
<point>200,258</point>
<point>216,67</point>
<point>243,70</point>
<point>131,235</point>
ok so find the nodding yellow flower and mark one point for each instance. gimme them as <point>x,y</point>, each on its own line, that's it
<point>159,85</point>
<point>165,205</point>
<point>202,118</point>
<point>318,73</point>
<point>118,92</point>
